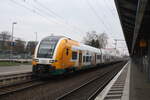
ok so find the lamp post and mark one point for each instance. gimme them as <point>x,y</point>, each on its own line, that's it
<point>12,38</point>
<point>35,36</point>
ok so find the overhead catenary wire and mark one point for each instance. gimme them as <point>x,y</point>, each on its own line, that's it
<point>31,10</point>
<point>107,13</point>
<point>52,12</point>
<point>38,12</point>
<point>100,18</point>
<point>97,15</point>
<point>112,9</point>
<point>49,13</point>
<point>109,9</point>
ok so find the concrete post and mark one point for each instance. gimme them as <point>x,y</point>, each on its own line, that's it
<point>148,58</point>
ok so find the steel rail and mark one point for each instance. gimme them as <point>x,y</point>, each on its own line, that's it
<point>107,76</point>
<point>11,79</point>
<point>104,83</point>
<point>20,87</point>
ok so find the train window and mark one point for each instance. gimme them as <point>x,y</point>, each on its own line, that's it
<point>47,47</point>
<point>74,55</point>
<point>67,51</point>
<point>87,58</point>
<point>84,59</point>
<point>104,57</point>
<point>90,58</point>
<point>98,56</point>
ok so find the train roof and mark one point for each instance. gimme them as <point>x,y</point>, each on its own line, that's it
<point>86,48</point>
<point>54,37</point>
<point>83,46</point>
<point>80,47</point>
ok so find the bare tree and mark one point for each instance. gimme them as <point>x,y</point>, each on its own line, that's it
<point>19,46</point>
<point>96,40</point>
<point>91,38</point>
<point>102,38</point>
<point>5,39</point>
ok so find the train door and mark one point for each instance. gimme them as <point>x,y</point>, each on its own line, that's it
<point>66,57</point>
<point>80,58</point>
<point>95,59</point>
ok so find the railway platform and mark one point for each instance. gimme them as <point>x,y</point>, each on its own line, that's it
<point>15,69</point>
<point>129,84</point>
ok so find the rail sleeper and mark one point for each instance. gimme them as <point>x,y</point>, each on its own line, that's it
<point>12,79</point>
<point>116,91</point>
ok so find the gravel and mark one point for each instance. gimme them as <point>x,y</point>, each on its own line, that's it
<point>59,85</point>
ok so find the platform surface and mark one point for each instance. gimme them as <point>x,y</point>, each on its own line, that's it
<point>139,84</point>
<point>115,89</point>
<point>15,69</point>
<point>135,87</point>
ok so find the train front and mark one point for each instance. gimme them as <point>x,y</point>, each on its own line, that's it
<point>44,56</point>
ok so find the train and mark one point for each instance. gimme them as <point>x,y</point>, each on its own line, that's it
<point>56,55</point>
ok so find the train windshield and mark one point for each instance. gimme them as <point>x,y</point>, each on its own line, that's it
<point>47,47</point>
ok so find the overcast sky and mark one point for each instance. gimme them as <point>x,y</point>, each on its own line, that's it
<point>72,18</point>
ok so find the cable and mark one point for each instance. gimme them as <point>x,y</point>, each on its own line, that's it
<point>57,15</point>
<point>29,9</point>
<point>105,13</point>
<point>34,11</point>
<point>112,10</point>
<point>107,6</point>
<point>109,11</point>
<point>46,8</point>
<point>99,18</point>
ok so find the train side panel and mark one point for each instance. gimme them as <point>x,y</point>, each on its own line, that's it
<point>70,55</point>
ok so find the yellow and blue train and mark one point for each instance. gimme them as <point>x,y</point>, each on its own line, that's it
<point>55,55</point>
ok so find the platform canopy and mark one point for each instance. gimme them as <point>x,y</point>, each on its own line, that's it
<point>135,20</point>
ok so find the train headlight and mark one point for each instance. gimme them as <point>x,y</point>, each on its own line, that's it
<point>36,60</point>
<point>52,61</point>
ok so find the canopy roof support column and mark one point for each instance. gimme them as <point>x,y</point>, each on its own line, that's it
<point>139,17</point>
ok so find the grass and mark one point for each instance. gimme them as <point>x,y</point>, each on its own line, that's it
<point>2,64</point>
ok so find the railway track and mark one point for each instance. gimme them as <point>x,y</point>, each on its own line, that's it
<point>77,93</point>
<point>16,82</point>
<point>13,83</point>
<point>12,79</point>
<point>6,90</point>
<point>91,88</point>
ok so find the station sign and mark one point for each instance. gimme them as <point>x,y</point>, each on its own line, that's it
<point>142,43</point>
